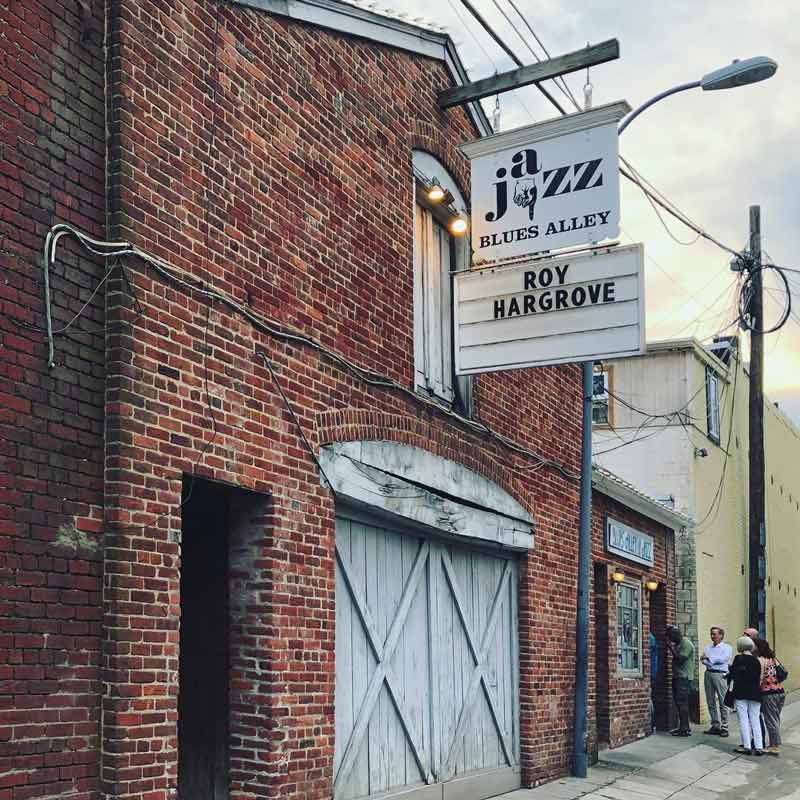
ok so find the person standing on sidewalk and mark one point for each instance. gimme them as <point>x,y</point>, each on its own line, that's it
<point>682,651</point>
<point>772,696</point>
<point>745,680</point>
<point>716,659</point>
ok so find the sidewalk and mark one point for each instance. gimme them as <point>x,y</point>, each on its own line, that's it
<point>663,767</point>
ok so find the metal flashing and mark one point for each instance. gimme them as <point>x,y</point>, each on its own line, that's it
<point>611,485</point>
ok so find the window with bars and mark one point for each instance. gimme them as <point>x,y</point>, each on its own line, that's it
<point>629,627</point>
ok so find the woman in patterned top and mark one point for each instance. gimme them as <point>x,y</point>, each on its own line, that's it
<point>772,696</point>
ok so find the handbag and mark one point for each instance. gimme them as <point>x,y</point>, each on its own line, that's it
<point>781,673</point>
<point>729,699</point>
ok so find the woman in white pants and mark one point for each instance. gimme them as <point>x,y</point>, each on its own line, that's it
<point>744,679</point>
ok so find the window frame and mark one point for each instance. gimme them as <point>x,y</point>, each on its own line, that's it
<point>608,382</point>
<point>434,367</point>
<point>636,586</point>
<point>713,412</point>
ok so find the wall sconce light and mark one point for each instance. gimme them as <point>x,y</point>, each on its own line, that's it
<point>651,585</point>
<point>458,226</point>
<point>435,192</point>
<point>700,452</point>
<point>617,575</point>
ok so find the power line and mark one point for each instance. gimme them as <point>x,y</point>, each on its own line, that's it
<point>507,50</point>
<point>525,42</point>
<point>544,49</point>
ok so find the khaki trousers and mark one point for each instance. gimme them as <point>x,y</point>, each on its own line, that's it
<point>716,686</point>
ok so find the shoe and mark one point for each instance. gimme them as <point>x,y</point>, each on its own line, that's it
<point>723,733</point>
<point>680,733</point>
<point>745,751</point>
<point>713,731</point>
<point>758,752</point>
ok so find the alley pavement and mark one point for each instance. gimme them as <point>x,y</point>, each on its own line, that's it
<point>700,767</point>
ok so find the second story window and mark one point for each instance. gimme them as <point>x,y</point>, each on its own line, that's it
<point>712,405</point>
<point>438,252</point>
<point>601,406</point>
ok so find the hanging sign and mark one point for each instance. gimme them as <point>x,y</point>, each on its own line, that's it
<point>585,307</point>
<point>546,186</point>
<point>629,543</point>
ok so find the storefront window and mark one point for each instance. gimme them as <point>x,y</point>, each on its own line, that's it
<point>629,627</point>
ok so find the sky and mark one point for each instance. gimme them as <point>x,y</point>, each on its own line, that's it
<point>713,154</point>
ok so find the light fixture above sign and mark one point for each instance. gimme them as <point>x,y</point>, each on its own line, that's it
<point>546,186</point>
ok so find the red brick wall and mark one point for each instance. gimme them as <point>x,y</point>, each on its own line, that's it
<point>622,714</point>
<point>304,174</point>
<point>276,168</point>
<point>51,420</point>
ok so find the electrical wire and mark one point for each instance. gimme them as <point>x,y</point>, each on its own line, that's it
<point>177,277</point>
<point>525,42</point>
<point>544,49</point>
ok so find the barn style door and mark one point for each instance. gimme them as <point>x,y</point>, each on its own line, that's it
<point>426,667</point>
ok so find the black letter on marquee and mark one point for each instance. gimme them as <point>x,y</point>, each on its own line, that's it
<point>530,280</point>
<point>608,292</point>
<point>531,164</point>
<point>561,298</point>
<point>559,174</point>
<point>499,308</point>
<point>588,173</point>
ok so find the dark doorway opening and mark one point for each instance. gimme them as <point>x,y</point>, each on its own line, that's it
<point>660,692</point>
<point>602,687</point>
<point>203,704</point>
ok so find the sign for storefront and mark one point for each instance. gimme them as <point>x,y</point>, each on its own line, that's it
<point>586,307</point>
<point>629,543</point>
<point>546,186</point>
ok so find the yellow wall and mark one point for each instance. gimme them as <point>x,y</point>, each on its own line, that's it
<point>722,539</point>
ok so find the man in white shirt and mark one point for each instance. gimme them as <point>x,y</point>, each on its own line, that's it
<point>716,658</point>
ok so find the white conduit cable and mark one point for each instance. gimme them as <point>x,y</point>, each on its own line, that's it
<point>177,276</point>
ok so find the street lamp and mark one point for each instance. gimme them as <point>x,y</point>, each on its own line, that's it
<point>737,73</point>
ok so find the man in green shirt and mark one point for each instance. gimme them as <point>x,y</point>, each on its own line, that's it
<point>682,651</point>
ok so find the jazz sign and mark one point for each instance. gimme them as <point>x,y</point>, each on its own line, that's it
<point>546,186</point>
<point>585,307</point>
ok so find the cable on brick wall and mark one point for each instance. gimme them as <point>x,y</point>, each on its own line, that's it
<point>179,278</point>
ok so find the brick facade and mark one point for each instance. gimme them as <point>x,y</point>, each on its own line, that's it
<point>269,161</point>
<point>52,153</point>
<point>620,703</point>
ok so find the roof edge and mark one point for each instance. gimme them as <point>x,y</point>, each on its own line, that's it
<point>614,487</point>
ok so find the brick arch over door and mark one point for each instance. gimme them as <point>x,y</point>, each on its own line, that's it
<point>426,433</point>
<point>430,139</point>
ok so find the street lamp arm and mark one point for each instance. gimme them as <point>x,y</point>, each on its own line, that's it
<point>653,100</point>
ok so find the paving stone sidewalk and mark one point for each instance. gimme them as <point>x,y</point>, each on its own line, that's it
<point>662,767</point>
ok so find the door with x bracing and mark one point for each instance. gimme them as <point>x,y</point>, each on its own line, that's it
<point>426,666</point>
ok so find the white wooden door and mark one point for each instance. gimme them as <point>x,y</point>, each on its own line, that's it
<point>426,666</point>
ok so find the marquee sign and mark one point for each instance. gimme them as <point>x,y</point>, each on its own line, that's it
<point>629,543</point>
<point>585,307</point>
<point>546,186</point>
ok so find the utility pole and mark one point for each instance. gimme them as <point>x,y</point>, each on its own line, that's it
<point>757,522</point>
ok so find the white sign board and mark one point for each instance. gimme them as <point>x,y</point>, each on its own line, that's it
<point>546,186</point>
<point>585,307</point>
<point>628,542</point>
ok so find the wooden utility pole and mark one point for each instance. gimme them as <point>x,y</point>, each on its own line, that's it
<point>757,526</point>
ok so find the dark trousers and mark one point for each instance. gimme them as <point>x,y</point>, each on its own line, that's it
<point>680,695</point>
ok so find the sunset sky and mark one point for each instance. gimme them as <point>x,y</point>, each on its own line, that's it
<point>712,153</point>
